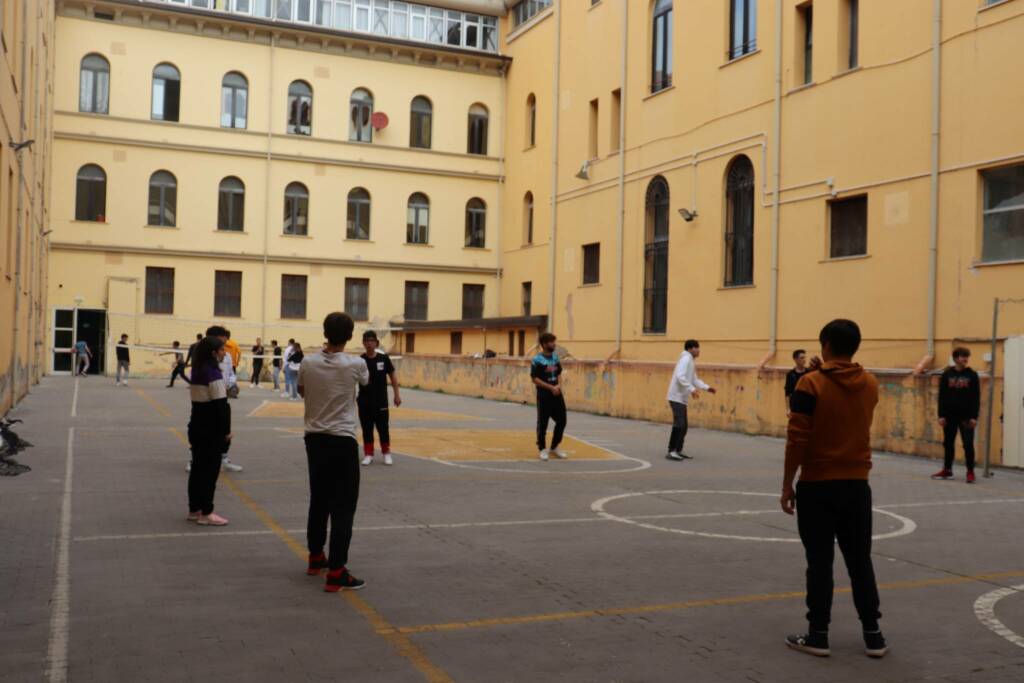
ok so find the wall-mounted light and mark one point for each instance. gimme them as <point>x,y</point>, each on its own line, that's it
<point>18,146</point>
<point>584,172</point>
<point>687,215</point>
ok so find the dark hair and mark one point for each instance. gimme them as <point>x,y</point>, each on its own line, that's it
<point>203,355</point>
<point>175,343</point>
<point>227,333</point>
<point>199,336</point>
<point>691,344</point>
<point>338,328</point>
<point>216,331</point>
<point>291,341</point>
<point>274,342</point>
<point>124,336</point>
<point>841,336</point>
<point>370,334</point>
<point>961,352</point>
<point>545,338</point>
<point>798,353</point>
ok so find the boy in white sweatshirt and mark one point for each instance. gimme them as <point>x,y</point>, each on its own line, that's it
<point>685,383</point>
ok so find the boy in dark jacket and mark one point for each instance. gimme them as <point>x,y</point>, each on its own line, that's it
<point>959,404</point>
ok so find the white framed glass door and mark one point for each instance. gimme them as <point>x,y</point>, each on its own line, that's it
<point>63,358</point>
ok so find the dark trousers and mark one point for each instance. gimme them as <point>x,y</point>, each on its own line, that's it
<point>830,511</point>
<point>202,477</point>
<point>550,407</point>
<point>178,371</point>
<point>257,370</point>
<point>333,494</point>
<point>370,417</point>
<point>680,425</point>
<point>953,425</point>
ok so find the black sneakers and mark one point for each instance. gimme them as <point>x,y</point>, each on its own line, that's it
<point>874,644</point>
<point>813,643</point>
<point>341,580</point>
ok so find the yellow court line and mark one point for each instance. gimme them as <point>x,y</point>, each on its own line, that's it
<point>398,640</point>
<point>688,604</point>
<point>156,406</point>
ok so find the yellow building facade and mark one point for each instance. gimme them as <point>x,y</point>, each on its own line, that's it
<point>26,92</point>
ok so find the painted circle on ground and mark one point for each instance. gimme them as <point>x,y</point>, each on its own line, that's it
<point>907,525</point>
<point>985,610</point>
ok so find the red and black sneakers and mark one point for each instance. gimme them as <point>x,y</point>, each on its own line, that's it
<point>943,474</point>
<point>341,580</point>
<point>317,563</point>
<point>970,477</point>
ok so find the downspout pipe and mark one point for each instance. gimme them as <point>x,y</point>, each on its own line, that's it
<point>554,165</point>
<point>266,190</point>
<point>773,343</point>
<point>19,223</point>
<point>933,219</point>
<point>622,176</point>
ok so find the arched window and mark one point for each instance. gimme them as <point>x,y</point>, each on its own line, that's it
<point>531,120</point>
<point>656,257</point>
<point>300,108</point>
<point>231,205</point>
<point>234,100</point>
<point>421,120</point>
<point>739,223</point>
<point>94,85</point>
<point>418,222</point>
<point>476,223</point>
<point>358,224</point>
<point>91,194</point>
<point>166,93</point>
<point>360,111</point>
<point>528,218</point>
<point>477,129</point>
<point>661,45</point>
<point>163,200</point>
<point>296,209</point>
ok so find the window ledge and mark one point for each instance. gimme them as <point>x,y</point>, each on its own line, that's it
<point>654,334</point>
<point>296,318</point>
<point>740,58</point>
<point>991,264</point>
<point>590,285</point>
<point>287,234</point>
<point>475,249</point>
<point>419,244</point>
<point>725,288</point>
<point>848,72</point>
<point>801,87</point>
<point>840,259</point>
<point>360,240</point>
<point>993,5</point>
<point>221,231</point>
<point>77,220</point>
<point>524,28</point>
<point>161,227</point>
<point>660,92</point>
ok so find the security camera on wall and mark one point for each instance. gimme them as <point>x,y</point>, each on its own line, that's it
<point>687,215</point>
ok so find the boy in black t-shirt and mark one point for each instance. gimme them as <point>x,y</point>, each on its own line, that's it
<point>959,405</point>
<point>373,399</point>
<point>545,371</point>
<point>793,376</point>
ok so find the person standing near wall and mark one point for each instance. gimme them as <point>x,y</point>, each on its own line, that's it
<point>123,360</point>
<point>685,384</point>
<point>82,356</point>
<point>275,367</point>
<point>291,371</point>
<point>327,381</point>
<point>288,350</point>
<point>209,431</point>
<point>959,405</point>
<point>257,362</point>
<point>829,443</point>
<point>794,375</point>
<point>546,371</point>
<point>373,399</point>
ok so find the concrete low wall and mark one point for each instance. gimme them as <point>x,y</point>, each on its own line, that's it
<point>748,400</point>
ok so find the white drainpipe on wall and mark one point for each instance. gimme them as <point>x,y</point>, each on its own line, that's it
<point>266,189</point>
<point>777,173</point>
<point>622,175</point>
<point>933,220</point>
<point>555,105</point>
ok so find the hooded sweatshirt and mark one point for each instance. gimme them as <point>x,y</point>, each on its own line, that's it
<point>829,434</point>
<point>959,394</point>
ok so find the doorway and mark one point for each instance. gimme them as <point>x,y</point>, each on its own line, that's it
<point>91,326</point>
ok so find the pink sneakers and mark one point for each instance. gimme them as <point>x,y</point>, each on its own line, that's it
<point>212,519</point>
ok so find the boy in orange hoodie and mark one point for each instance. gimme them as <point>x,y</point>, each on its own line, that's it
<point>829,442</point>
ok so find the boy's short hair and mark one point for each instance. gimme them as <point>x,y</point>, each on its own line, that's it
<point>370,334</point>
<point>691,344</point>
<point>961,352</point>
<point>175,343</point>
<point>546,337</point>
<point>216,331</point>
<point>274,342</point>
<point>338,328</point>
<point>798,353</point>
<point>842,337</point>
<point>199,336</point>
<point>124,336</point>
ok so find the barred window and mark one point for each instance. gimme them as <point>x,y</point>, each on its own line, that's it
<point>293,296</point>
<point>357,298</point>
<point>472,302</point>
<point>159,290</point>
<point>656,257</point>
<point>227,293</point>
<point>592,263</point>
<point>739,223</point>
<point>416,300</point>
<point>848,230</point>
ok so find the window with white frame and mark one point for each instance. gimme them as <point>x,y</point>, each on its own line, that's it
<point>94,85</point>
<point>528,9</point>
<point>1003,214</point>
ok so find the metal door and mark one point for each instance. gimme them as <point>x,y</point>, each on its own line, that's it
<point>1013,403</point>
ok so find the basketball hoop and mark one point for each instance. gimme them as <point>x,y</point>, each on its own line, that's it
<point>379,120</point>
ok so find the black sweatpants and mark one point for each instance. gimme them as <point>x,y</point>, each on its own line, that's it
<point>830,511</point>
<point>257,370</point>
<point>370,417</point>
<point>333,493</point>
<point>178,371</point>
<point>680,425</point>
<point>954,425</point>
<point>202,477</point>
<point>550,407</point>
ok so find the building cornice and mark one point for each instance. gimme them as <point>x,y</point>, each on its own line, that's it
<point>272,258</point>
<point>228,26</point>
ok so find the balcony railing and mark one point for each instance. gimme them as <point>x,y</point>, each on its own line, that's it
<point>386,18</point>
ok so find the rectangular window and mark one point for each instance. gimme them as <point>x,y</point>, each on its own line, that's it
<point>527,298</point>
<point>522,342</point>
<point>848,235</point>
<point>357,298</point>
<point>456,343</point>
<point>227,293</point>
<point>416,300</point>
<point>853,17</point>
<point>472,302</point>
<point>615,112</point>
<point>592,136</point>
<point>661,45</point>
<point>1003,214</point>
<point>293,296</point>
<point>159,290</point>
<point>591,263</point>
<point>410,342</point>
<point>528,9</point>
<point>742,27</point>
<point>805,20</point>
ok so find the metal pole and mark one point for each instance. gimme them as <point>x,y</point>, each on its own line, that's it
<point>991,388</point>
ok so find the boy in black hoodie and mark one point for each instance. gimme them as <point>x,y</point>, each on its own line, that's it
<point>959,403</point>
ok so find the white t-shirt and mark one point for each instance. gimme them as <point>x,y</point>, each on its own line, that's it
<point>329,382</point>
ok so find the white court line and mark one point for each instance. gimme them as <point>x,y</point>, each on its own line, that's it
<point>257,408</point>
<point>937,503</point>
<point>60,602</point>
<point>985,610</point>
<point>74,399</point>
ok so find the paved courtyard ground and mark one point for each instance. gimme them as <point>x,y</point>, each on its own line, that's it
<point>481,563</point>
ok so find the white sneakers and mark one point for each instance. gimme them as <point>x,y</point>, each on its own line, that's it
<point>544,453</point>
<point>557,452</point>
<point>285,394</point>
<point>368,459</point>
<point>387,459</point>
<point>560,453</point>
<point>230,466</point>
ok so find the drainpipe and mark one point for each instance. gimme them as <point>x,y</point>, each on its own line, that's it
<point>773,342</point>
<point>933,220</point>
<point>266,188</point>
<point>19,223</point>
<point>554,163</point>
<point>622,175</point>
